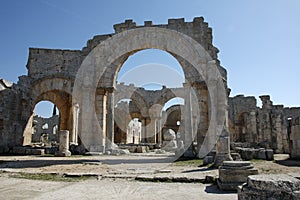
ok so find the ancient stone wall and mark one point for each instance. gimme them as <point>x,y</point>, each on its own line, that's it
<point>45,129</point>
<point>266,127</point>
<point>52,72</point>
<point>295,138</point>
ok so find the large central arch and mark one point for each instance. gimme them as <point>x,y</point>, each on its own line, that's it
<point>100,64</point>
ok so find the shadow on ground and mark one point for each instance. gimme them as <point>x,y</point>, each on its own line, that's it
<point>198,170</point>
<point>289,163</point>
<point>213,189</point>
<point>44,162</point>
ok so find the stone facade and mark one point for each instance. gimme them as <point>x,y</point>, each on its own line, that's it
<point>271,127</point>
<point>45,129</point>
<point>82,84</point>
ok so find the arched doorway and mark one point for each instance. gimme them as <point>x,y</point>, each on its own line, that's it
<point>62,101</point>
<point>148,77</point>
<point>105,61</point>
<point>45,124</point>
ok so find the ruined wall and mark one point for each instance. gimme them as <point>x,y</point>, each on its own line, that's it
<point>52,72</point>
<point>295,138</point>
<point>45,129</point>
<point>267,127</point>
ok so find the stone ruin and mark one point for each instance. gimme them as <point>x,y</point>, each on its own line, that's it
<point>52,75</point>
<point>45,130</point>
<point>272,127</point>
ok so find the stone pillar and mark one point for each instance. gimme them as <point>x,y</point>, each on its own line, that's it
<point>253,126</point>
<point>63,144</point>
<point>98,136</point>
<point>188,134</point>
<point>27,134</point>
<point>144,130</point>
<point>158,131</point>
<point>266,121</point>
<point>110,121</point>
<point>295,138</point>
<point>222,149</point>
<point>218,116</point>
<point>204,119</point>
<point>278,133</point>
<point>151,130</point>
<point>75,115</point>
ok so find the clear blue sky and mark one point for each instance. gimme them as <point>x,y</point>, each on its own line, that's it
<point>258,40</point>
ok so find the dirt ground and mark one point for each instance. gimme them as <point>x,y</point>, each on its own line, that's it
<point>113,177</point>
<point>128,164</point>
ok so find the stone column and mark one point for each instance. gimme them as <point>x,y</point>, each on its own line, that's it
<point>278,133</point>
<point>75,115</point>
<point>253,126</point>
<point>218,128</point>
<point>266,131</point>
<point>159,131</point>
<point>295,137</point>
<point>99,132</point>
<point>204,119</point>
<point>144,130</point>
<point>188,135</point>
<point>63,144</point>
<point>222,149</point>
<point>110,121</point>
<point>151,130</point>
<point>27,134</point>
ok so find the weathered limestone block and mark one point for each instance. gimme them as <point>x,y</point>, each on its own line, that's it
<point>141,149</point>
<point>270,154</point>
<point>222,149</point>
<point>169,143</point>
<point>247,153</point>
<point>63,144</point>
<point>234,173</point>
<point>35,152</point>
<point>236,156</point>
<point>295,138</point>
<point>272,186</point>
<point>19,150</point>
<point>262,154</point>
<point>208,160</point>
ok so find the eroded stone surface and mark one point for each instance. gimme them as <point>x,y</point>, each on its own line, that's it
<point>274,186</point>
<point>234,173</point>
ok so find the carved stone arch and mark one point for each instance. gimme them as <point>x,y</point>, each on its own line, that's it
<point>50,84</point>
<point>122,45</point>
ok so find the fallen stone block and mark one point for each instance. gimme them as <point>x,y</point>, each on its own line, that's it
<point>19,150</point>
<point>141,149</point>
<point>208,160</point>
<point>269,154</point>
<point>35,152</point>
<point>262,154</point>
<point>272,186</point>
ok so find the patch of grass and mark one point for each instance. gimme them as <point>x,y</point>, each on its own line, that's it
<point>257,160</point>
<point>48,177</point>
<point>193,162</point>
